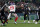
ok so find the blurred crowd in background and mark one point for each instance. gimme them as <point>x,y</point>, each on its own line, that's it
<point>22,5</point>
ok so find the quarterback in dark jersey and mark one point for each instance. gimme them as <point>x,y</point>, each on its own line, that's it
<point>4,15</point>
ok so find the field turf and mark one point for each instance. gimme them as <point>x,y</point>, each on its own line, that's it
<point>11,24</point>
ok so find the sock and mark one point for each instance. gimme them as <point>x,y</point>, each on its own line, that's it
<point>3,22</point>
<point>16,19</point>
<point>6,20</point>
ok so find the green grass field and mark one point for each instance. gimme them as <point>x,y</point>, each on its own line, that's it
<point>11,24</point>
